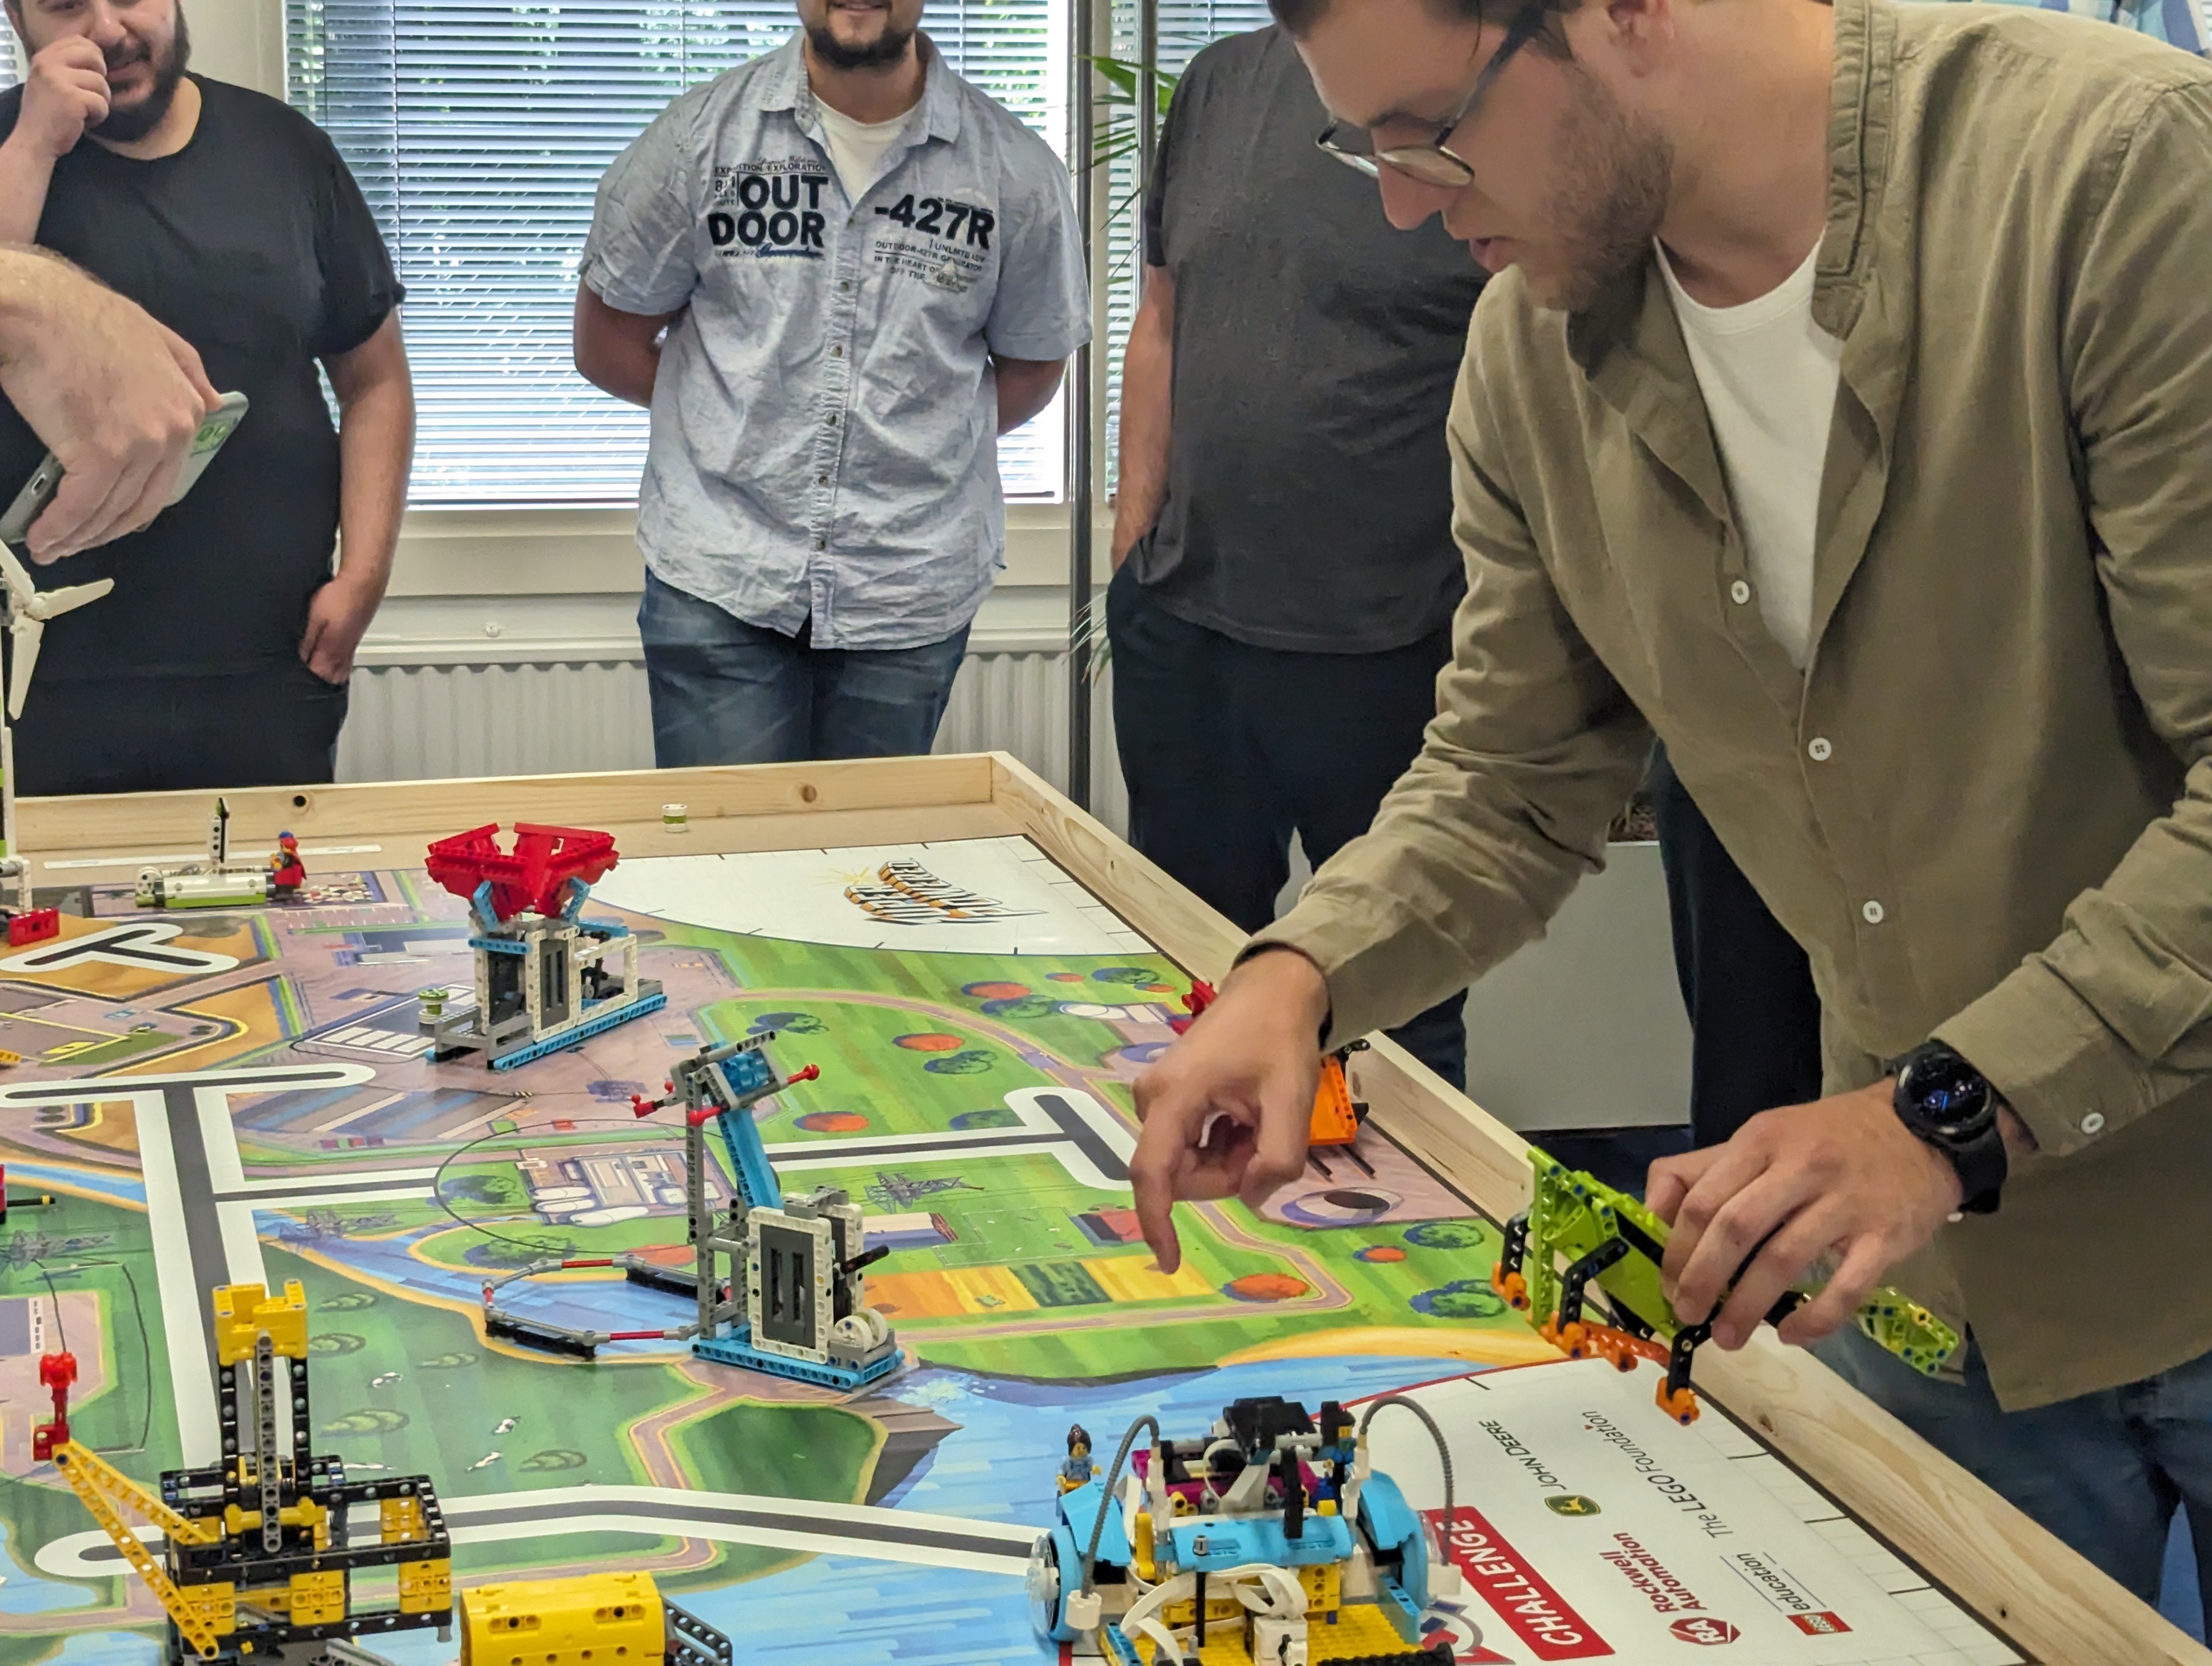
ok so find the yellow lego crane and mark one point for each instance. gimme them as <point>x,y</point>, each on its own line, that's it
<point>261,1548</point>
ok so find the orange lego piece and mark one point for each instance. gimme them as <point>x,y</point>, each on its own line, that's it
<point>1335,1118</point>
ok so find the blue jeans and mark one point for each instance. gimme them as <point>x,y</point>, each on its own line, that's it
<point>2103,1471</point>
<point>724,692</point>
<point>1229,749</point>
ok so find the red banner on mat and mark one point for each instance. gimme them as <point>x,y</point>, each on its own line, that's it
<point>1524,1600</point>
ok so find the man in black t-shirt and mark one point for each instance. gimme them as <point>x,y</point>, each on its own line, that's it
<point>1285,573</point>
<point>221,658</point>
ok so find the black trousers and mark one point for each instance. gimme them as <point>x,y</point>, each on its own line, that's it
<point>1754,1020</point>
<point>1229,749</point>
<point>273,726</point>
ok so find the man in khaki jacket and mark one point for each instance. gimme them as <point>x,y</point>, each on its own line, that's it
<point>1842,415</point>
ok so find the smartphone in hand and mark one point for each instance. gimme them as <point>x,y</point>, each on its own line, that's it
<point>47,479</point>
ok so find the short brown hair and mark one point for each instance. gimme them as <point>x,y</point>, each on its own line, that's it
<point>1298,16</point>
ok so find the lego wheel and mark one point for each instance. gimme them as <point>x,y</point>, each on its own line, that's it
<point>1055,1575</point>
<point>1043,1586</point>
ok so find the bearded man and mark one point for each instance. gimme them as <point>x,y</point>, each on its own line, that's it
<point>220,658</point>
<point>834,274</point>
<point>1834,414</point>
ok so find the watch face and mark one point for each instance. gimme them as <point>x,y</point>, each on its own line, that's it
<point>1948,1096</point>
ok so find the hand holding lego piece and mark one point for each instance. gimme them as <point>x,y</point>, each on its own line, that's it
<point>1604,1233</point>
<point>1753,1217</point>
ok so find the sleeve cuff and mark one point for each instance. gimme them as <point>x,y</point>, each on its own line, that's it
<point>2061,1068</point>
<point>599,277</point>
<point>1036,349</point>
<point>1376,972</point>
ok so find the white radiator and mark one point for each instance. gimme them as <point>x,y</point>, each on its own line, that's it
<point>423,722</point>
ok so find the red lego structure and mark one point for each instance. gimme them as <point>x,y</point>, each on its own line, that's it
<point>533,877</point>
<point>56,1371</point>
<point>1199,998</point>
<point>33,926</point>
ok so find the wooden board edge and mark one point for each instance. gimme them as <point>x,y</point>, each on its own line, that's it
<point>1175,921</point>
<point>2050,1599</point>
<point>178,821</point>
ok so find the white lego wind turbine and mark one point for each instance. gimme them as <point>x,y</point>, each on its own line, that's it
<point>28,610</point>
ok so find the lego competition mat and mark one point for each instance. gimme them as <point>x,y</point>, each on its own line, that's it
<point>243,1097</point>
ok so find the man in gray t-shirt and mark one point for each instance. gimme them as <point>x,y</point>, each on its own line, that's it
<point>867,271</point>
<point>1285,570</point>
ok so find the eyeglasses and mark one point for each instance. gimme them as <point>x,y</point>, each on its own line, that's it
<point>1431,163</point>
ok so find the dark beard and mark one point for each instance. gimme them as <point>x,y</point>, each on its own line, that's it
<point>885,49</point>
<point>127,125</point>
<point>1617,171</point>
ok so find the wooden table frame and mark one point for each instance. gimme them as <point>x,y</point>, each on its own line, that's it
<point>2050,1601</point>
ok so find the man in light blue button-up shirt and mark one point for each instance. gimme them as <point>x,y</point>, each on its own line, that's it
<point>867,271</point>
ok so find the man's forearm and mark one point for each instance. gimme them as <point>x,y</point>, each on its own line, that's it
<point>25,175</point>
<point>1147,379</point>
<point>1025,387</point>
<point>627,369</point>
<point>376,448</point>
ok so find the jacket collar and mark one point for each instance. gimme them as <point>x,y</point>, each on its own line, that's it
<point>1861,129</point>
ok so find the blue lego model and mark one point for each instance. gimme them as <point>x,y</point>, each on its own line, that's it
<point>1270,1539</point>
<point>802,1311</point>
<point>547,979</point>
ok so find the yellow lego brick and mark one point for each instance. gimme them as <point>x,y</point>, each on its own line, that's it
<point>1324,1588</point>
<point>243,1312</point>
<point>560,1622</point>
<point>400,1520</point>
<point>426,1587</point>
<point>213,1607</point>
<point>1220,1611</point>
<point>317,1599</point>
<point>1358,1631</point>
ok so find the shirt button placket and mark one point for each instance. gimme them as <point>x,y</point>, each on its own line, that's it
<point>843,312</point>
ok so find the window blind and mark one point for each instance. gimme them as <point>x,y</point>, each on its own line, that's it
<point>478,129</point>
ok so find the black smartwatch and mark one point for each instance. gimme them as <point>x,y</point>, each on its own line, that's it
<point>1951,1105</point>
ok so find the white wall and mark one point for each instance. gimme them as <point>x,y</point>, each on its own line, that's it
<point>240,42</point>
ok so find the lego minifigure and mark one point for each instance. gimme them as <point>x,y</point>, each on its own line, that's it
<point>286,874</point>
<point>1078,1468</point>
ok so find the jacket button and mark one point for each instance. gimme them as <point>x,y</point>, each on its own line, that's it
<point>1872,912</point>
<point>1819,749</point>
<point>2094,1123</point>
<point>1738,592</point>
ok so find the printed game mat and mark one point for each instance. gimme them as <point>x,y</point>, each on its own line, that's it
<point>242,1096</point>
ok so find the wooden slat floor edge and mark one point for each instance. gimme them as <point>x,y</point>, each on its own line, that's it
<point>2049,1599</point>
